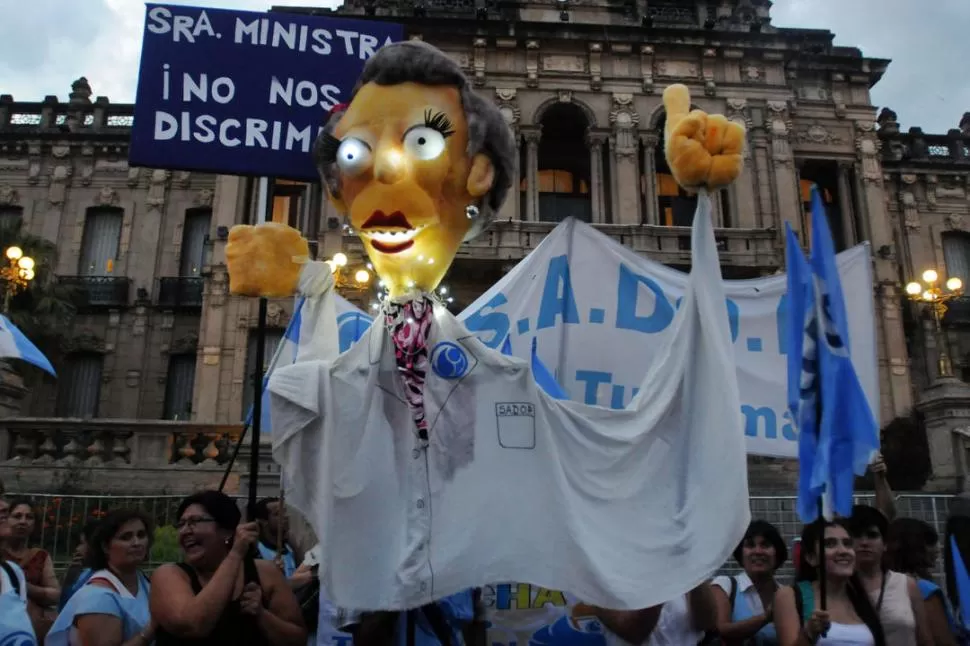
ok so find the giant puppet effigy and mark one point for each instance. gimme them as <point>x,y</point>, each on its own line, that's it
<point>429,463</point>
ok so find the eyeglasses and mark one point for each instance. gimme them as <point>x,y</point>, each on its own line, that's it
<point>192,522</point>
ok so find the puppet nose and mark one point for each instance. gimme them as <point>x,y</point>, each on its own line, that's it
<point>390,166</point>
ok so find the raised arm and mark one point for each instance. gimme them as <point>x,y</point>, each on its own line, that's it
<point>177,609</point>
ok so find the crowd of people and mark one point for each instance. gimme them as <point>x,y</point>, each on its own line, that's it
<point>242,583</point>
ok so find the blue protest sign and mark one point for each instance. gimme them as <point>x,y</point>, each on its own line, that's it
<point>244,93</point>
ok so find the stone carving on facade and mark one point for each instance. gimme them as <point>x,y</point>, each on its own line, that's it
<point>595,66</point>
<point>134,175</point>
<point>817,134</point>
<point>532,63</point>
<point>565,96</point>
<point>868,147</point>
<point>34,163</point>
<point>779,131</point>
<point>60,151</point>
<point>677,69</point>
<point>183,178</point>
<point>276,316</point>
<point>708,66</point>
<point>838,97</point>
<point>624,119</point>
<point>737,111</point>
<point>60,177</point>
<point>752,72</point>
<point>84,341</point>
<point>956,222</point>
<point>218,285</point>
<point>9,196</point>
<point>107,196</point>
<point>157,189</point>
<point>508,106</point>
<point>646,68</point>
<point>480,46</point>
<point>932,181</point>
<point>952,187</point>
<point>204,197</point>
<point>911,218</point>
<point>563,63</point>
<point>888,122</point>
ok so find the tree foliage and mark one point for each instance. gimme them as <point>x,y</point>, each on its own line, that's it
<point>45,309</point>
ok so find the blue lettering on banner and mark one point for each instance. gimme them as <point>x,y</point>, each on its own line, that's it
<point>242,92</point>
<point>557,296</point>
<point>495,322</point>
<point>627,296</point>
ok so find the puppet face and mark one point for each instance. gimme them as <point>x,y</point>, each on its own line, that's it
<point>406,179</point>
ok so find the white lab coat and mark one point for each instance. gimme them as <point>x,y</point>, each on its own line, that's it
<point>622,508</point>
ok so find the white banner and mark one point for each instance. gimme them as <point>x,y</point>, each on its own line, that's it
<point>601,311</point>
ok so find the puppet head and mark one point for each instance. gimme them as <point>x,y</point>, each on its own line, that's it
<point>702,150</point>
<point>418,162</point>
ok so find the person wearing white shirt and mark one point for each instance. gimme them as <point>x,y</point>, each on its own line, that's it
<point>744,602</point>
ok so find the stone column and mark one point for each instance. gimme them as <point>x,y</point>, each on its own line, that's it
<point>625,174</point>
<point>845,205</point>
<point>532,138</point>
<point>508,105</point>
<point>886,272</point>
<point>945,405</point>
<point>614,214</point>
<point>596,188</point>
<point>649,187</point>
<point>786,180</point>
<point>743,201</point>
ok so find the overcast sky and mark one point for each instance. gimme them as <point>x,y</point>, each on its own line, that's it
<point>47,44</point>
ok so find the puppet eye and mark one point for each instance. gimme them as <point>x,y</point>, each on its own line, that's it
<point>353,156</point>
<point>424,143</point>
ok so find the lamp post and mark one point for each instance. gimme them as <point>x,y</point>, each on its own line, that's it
<point>16,275</point>
<point>345,276</point>
<point>934,293</point>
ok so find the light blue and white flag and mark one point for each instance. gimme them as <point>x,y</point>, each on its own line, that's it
<point>351,325</point>
<point>15,345</point>
<point>838,433</point>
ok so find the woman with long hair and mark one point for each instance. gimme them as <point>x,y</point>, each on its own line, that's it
<point>894,595</point>
<point>913,549</point>
<point>849,618</point>
<point>744,602</point>
<point>220,595</point>
<point>43,591</point>
<point>111,608</point>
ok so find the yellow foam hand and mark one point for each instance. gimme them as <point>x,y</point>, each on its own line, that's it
<point>702,150</point>
<point>265,260</point>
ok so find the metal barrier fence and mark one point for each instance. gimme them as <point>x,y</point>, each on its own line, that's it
<point>60,519</point>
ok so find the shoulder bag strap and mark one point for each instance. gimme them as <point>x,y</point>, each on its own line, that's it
<point>14,579</point>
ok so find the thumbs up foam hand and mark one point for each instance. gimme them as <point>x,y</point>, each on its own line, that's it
<point>702,150</point>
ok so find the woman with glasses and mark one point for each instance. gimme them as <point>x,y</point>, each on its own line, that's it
<point>895,596</point>
<point>220,595</point>
<point>111,607</point>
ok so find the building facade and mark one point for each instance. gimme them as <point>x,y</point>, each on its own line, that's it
<point>154,371</point>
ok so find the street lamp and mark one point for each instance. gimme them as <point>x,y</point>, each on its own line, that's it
<point>16,275</point>
<point>934,294</point>
<point>345,276</point>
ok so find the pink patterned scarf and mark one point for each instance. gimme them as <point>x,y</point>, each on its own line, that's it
<point>410,325</point>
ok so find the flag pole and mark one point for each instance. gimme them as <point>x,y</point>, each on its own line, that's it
<point>821,508</point>
<point>264,213</point>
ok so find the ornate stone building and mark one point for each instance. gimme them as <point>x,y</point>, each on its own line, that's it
<point>580,83</point>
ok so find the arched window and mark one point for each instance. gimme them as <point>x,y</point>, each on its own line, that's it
<point>563,180</point>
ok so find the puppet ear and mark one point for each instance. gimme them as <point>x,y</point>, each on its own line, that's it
<point>481,177</point>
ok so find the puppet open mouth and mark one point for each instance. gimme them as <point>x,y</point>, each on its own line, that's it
<point>389,233</point>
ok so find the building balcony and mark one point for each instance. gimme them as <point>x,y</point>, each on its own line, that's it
<point>180,293</point>
<point>97,292</point>
<point>113,455</point>
<point>513,240</point>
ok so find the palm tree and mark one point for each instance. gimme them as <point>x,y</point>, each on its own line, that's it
<point>45,309</point>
